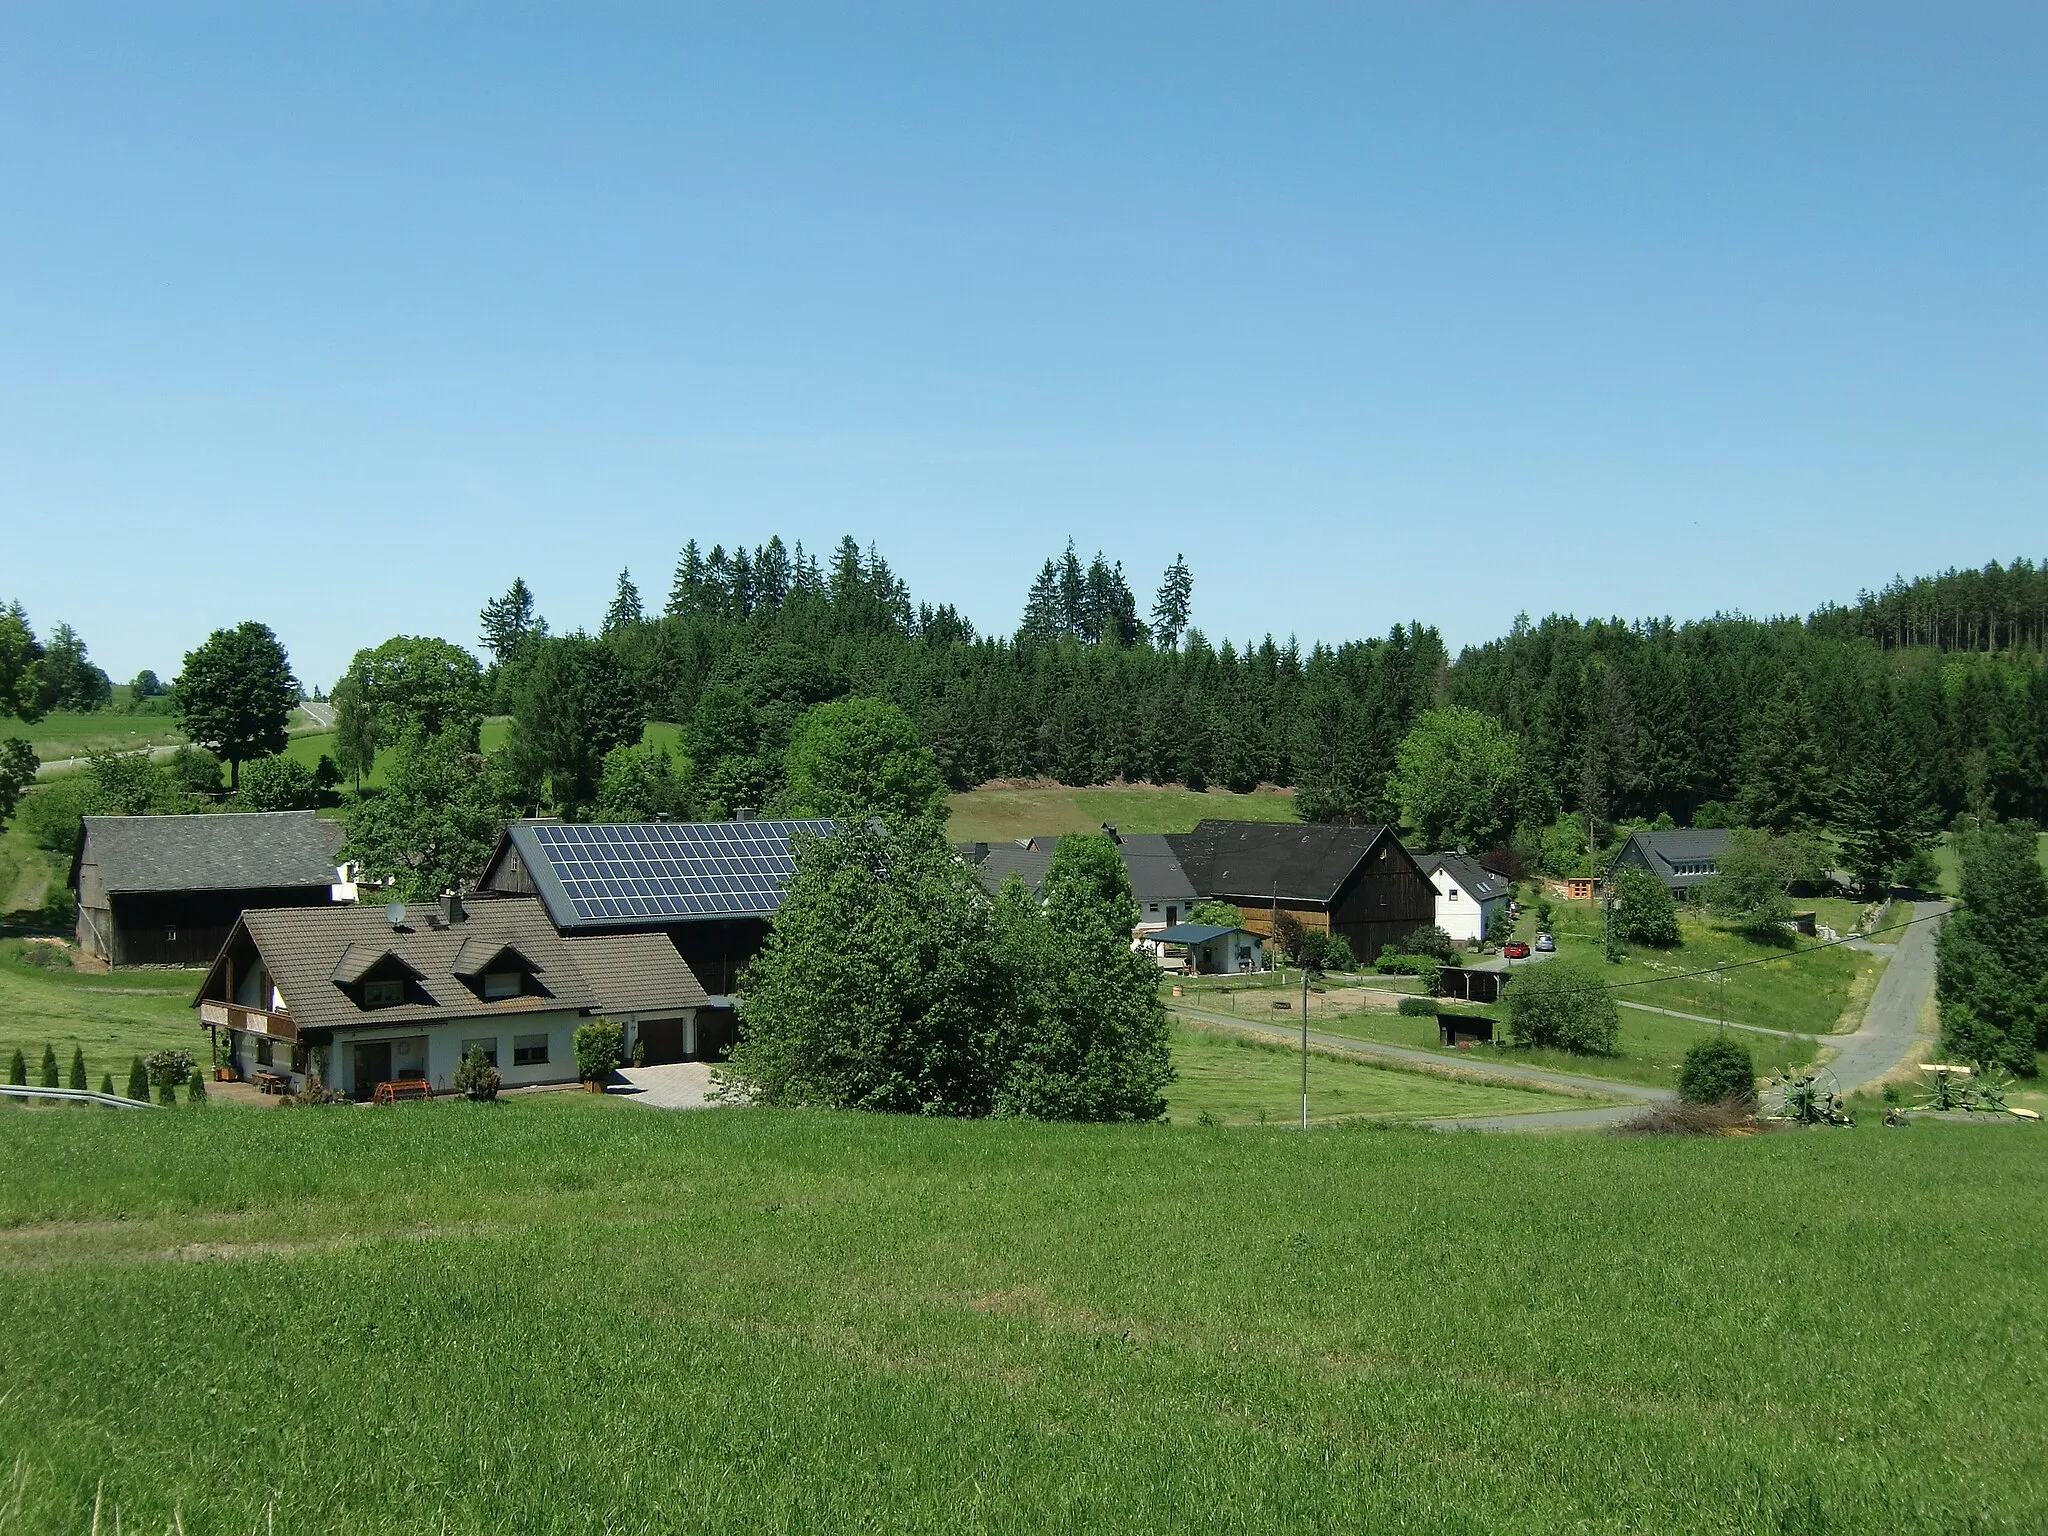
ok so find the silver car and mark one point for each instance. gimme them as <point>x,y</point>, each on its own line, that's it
<point>1545,944</point>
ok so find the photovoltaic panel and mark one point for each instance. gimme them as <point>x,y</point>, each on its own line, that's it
<point>658,870</point>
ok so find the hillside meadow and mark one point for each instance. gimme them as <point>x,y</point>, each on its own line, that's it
<point>570,1314</point>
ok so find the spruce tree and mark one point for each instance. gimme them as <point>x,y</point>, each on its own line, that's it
<point>1170,608</point>
<point>17,1070</point>
<point>107,1084</point>
<point>138,1080</point>
<point>1044,620</point>
<point>78,1078</point>
<point>624,612</point>
<point>1990,979</point>
<point>1784,785</point>
<point>50,1077</point>
<point>1884,813</point>
<point>195,1090</point>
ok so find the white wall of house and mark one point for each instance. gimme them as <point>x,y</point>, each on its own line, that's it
<point>436,1049</point>
<point>1457,913</point>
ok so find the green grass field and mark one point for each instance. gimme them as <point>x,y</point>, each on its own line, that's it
<point>1239,1081</point>
<point>566,1314</point>
<point>70,733</point>
<point>997,815</point>
<point>1648,1048</point>
<point>110,1017</point>
<point>1806,988</point>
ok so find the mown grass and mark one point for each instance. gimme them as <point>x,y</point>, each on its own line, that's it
<point>1802,985</point>
<point>1239,1081</point>
<point>1648,1047</point>
<point>73,733</point>
<point>110,1018</point>
<point>997,815</point>
<point>571,1315</point>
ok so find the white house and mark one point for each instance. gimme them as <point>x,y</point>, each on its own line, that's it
<point>1467,894</point>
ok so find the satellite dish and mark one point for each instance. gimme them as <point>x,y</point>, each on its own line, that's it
<point>394,913</point>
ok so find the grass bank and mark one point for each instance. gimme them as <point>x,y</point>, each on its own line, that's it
<point>110,1018</point>
<point>571,1315</point>
<point>997,815</point>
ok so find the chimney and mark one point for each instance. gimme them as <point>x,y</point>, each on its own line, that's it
<point>981,853</point>
<point>743,813</point>
<point>451,908</point>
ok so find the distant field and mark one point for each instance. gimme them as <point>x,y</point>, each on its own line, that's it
<point>788,1321</point>
<point>1238,1081</point>
<point>111,1017</point>
<point>998,815</point>
<point>68,733</point>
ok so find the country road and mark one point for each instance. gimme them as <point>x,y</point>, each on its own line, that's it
<point>1891,1021</point>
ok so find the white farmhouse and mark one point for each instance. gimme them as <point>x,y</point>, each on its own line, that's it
<point>1467,894</point>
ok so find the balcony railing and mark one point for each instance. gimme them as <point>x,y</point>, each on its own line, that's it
<point>254,1021</point>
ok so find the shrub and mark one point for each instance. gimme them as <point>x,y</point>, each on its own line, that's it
<point>1322,951</point>
<point>1418,1007</point>
<point>169,1069</point>
<point>312,1093</point>
<point>78,1078</point>
<point>195,1091</point>
<point>107,1084</point>
<point>138,1080</point>
<point>1717,1068</point>
<point>17,1070</point>
<point>1546,913</point>
<point>600,1046</point>
<point>1563,1006</point>
<point>1644,912</point>
<point>1218,914</point>
<point>1433,942</point>
<point>277,783</point>
<point>477,1080</point>
<point>50,1077</point>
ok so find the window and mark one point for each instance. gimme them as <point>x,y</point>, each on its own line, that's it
<point>529,1050</point>
<point>1154,907</point>
<point>1454,893</point>
<point>263,1050</point>
<point>488,1047</point>
<point>499,984</point>
<point>383,994</point>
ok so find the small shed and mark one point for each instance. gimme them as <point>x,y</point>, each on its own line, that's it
<point>1455,1029</point>
<point>1212,950</point>
<point>1474,986</point>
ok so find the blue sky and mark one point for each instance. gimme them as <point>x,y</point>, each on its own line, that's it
<point>341,316</point>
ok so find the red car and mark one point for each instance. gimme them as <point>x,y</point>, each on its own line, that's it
<point>1515,950</point>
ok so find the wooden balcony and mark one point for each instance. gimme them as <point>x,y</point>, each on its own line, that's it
<point>254,1021</point>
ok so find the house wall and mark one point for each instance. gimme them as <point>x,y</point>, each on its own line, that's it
<point>1458,914</point>
<point>1386,901</point>
<point>1259,919</point>
<point>444,1048</point>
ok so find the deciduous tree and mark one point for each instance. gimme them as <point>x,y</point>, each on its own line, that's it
<point>861,757</point>
<point>236,695</point>
<point>1454,778</point>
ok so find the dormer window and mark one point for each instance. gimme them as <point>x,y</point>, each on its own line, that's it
<point>383,994</point>
<point>503,984</point>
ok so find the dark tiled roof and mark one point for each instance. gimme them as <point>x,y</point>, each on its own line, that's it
<point>228,851</point>
<point>1191,933</point>
<point>1255,860</point>
<point>636,973</point>
<point>1155,869</point>
<point>1665,851</point>
<point>1027,864</point>
<point>306,949</point>
<point>1477,881</point>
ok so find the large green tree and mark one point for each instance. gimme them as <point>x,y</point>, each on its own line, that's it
<point>1784,781</point>
<point>1885,815</point>
<point>861,757</point>
<point>877,988</point>
<point>1454,778</point>
<point>1991,976</point>
<point>436,821</point>
<point>572,705</point>
<point>415,683</point>
<point>640,783</point>
<point>1564,1006</point>
<point>236,695</point>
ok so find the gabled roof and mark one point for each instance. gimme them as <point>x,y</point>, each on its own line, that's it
<point>1664,851</point>
<point>1155,869</point>
<point>311,952</point>
<point>223,851</point>
<point>594,877</point>
<point>1253,861</point>
<point>1027,863</point>
<point>636,973</point>
<point>1193,933</point>
<point>1474,878</point>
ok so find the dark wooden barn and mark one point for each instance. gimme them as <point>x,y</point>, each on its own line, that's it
<point>1356,882</point>
<point>166,890</point>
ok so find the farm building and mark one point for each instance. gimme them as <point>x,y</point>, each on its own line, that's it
<point>369,995</point>
<point>1468,895</point>
<point>166,890</point>
<point>1355,882</point>
<point>1682,858</point>
<point>1162,891</point>
<point>1027,858</point>
<point>709,888</point>
<point>1205,949</point>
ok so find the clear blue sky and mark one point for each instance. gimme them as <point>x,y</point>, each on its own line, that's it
<point>341,316</point>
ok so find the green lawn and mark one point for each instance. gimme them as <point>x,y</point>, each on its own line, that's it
<point>1239,1081</point>
<point>998,815</point>
<point>71,733</point>
<point>110,1017</point>
<point>25,869</point>
<point>1809,988</point>
<point>570,1315</point>
<point>1649,1046</point>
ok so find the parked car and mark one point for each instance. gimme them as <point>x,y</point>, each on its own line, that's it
<point>1545,943</point>
<point>1516,950</point>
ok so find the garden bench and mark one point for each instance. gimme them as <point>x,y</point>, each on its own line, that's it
<point>404,1088</point>
<point>271,1082</point>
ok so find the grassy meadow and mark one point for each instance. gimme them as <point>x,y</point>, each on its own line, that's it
<point>568,1314</point>
<point>999,815</point>
<point>110,1018</point>
<point>1234,1080</point>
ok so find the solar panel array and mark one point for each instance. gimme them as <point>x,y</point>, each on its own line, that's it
<point>656,870</point>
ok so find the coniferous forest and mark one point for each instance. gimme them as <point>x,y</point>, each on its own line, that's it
<point>1915,703</point>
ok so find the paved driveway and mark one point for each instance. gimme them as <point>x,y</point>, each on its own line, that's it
<point>685,1085</point>
<point>1892,1020</point>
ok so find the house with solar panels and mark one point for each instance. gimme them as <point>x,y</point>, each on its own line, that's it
<point>710,889</point>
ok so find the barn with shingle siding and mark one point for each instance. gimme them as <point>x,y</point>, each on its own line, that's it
<point>1356,882</point>
<point>166,890</point>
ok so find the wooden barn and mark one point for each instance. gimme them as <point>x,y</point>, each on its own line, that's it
<point>166,890</point>
<point>1356,882</point>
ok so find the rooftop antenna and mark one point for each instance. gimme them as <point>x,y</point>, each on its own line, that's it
<point>394,913</point>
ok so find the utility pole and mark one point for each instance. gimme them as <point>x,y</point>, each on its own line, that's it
<point>1304,1043</point>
